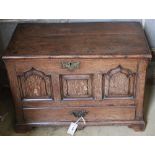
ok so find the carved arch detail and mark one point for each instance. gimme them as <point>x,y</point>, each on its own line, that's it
<point>35,84</point>
<point>119,82</point>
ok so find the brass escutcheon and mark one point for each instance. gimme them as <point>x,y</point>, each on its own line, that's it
<point>70,65</point>
<point>79,113</point>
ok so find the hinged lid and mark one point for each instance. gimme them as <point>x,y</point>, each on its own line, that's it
<point>78,40</point>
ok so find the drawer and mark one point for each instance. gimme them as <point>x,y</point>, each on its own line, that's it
<point>91,114</point>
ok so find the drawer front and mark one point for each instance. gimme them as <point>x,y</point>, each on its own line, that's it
<point>76,79</point>
<point>91,114</point>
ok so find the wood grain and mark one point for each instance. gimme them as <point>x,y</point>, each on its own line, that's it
<point>84,39</point>
<point>119,82</point>
<point>35,84</point>
<point>77,86</point>
<point>94,114</point>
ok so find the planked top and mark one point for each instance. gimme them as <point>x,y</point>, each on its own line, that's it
<point>78,40</point>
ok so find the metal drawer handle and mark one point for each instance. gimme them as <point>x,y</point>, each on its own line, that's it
<point>79,113</point>
<point>70,65</point>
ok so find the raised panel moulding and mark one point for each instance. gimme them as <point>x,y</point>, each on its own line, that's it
<point>119,82</point>
<point>35,84</point>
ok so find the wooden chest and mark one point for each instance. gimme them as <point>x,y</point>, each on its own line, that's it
<point>59,72</point>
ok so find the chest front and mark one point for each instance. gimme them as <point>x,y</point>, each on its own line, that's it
<point>57,89</point>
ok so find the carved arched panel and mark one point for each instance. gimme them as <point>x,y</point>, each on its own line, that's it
<point>35,84</point>
<point>119,82</point>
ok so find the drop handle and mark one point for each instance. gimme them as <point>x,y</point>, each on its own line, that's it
<point>70,65</point>
<point>79,113</point>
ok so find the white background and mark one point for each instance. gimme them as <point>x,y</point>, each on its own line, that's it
<point>77,9</point>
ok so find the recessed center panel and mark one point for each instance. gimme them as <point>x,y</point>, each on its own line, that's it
<point>76,86</point>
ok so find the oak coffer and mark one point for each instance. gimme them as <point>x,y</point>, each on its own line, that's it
<point>59,72</point>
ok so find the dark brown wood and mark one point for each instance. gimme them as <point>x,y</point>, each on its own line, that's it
<point>138,127</point>
<point>114,87</point>
<point>94,114</point>
<point>35,84</point>
<point>82,102</point>
<point>78,39</point>
<point>98,69</point>
<point>22,128</point>
<point>76,86</point>
<point>86,65</point>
